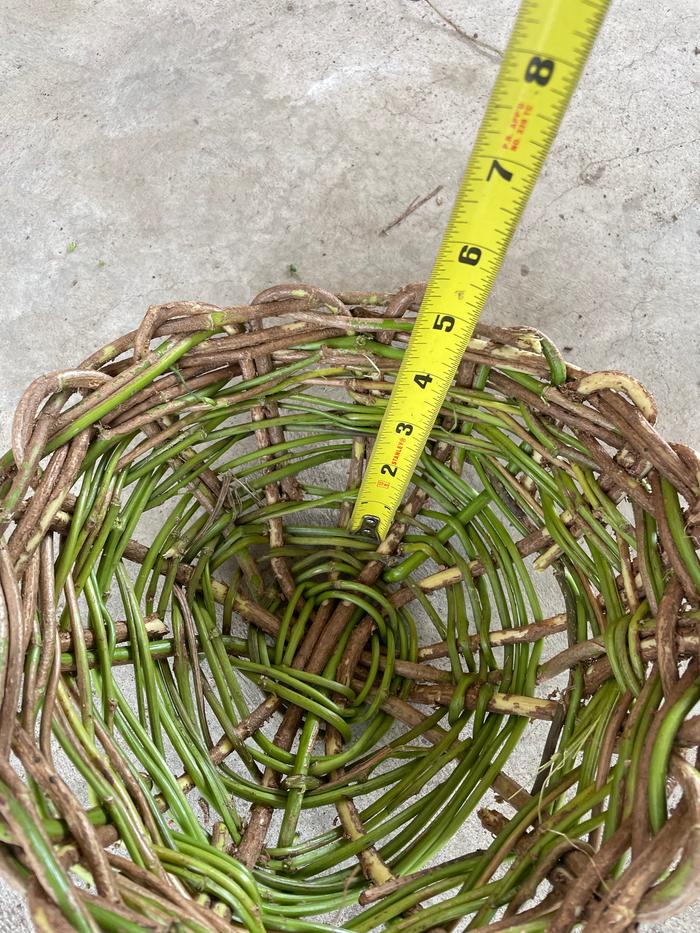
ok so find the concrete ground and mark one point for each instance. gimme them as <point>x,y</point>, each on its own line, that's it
<point>198,149</point>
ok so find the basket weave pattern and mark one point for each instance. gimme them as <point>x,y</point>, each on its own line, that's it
<point>251,719</point>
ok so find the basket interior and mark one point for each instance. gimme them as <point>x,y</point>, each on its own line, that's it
<point>234,712</point>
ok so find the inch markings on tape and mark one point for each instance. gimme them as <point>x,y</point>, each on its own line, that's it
<point>546,54</point>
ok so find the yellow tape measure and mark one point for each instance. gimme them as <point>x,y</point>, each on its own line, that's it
<point>548,48</point>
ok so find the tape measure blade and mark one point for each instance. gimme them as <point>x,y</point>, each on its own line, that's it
<point>548,47</point>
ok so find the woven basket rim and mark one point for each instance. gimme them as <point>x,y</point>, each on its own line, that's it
<point>572,478</point>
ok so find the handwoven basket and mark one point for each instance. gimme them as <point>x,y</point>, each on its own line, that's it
<point>221,710</point>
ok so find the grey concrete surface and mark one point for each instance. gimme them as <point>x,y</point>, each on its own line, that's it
<point>197,149</point>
